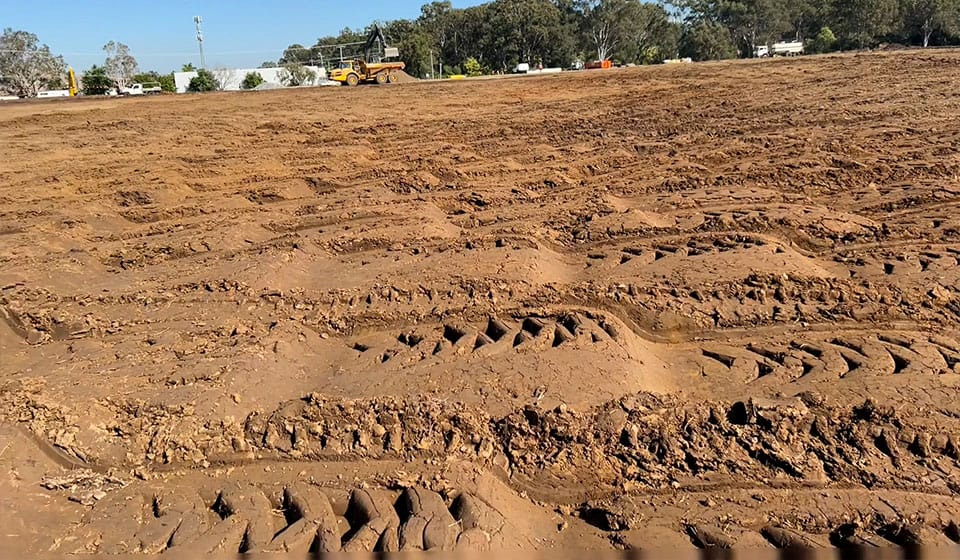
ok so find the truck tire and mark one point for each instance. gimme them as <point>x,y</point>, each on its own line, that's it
<point>381,78</point>
<point>392,77</point>
<point>353,79</point>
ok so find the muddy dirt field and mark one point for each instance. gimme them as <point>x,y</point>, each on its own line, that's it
<point>712,305</point>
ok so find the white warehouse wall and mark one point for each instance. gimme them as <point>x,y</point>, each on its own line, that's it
<point>234,76</point>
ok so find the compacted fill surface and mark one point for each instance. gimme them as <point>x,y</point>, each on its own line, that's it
<point>694,305</point>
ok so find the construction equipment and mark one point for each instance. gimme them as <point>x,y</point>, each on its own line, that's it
<point>373,67</point>
<point>781,48</point>
<point>72,79</point>
<point>599,65</point>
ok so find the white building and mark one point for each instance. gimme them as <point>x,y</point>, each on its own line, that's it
<point>234,77</point>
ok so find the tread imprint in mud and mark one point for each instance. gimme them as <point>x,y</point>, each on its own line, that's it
<point>244,518</point>
<point>497,335</point>
<point>837,357</point>
<point>302,518</point>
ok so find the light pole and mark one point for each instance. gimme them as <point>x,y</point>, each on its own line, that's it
<point>198,20</point>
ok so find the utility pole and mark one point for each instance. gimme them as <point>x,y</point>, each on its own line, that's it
<point>431,63</point>
<point>198,20</point>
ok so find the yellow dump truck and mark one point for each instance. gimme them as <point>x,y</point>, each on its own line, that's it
<point>372,67</point>
<point>353,72</point>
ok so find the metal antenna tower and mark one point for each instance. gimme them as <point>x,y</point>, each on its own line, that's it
<point>199,20</point>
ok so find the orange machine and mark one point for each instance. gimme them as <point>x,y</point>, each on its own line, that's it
<point>599,64</point>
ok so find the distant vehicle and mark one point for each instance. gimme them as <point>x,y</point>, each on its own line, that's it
<point>599,65</point>
<point>54,93</point>
<point>371,68</point>
<point>782,48</point>
<point>521,68</point>
<point>132,89</point>
<point>70,92</point>
<point>148,88</point>
<point>352,72</point>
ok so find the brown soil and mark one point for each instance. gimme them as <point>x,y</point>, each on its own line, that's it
<point>402,77</point>
<point>709,305</point>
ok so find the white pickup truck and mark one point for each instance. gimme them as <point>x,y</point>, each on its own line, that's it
<point>782,48</point>
<point>142,89</point>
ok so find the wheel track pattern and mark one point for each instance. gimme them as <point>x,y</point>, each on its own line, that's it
<point>496,335</point>
<point>819,358</point>
<point>300,518</point>
<point>233,516</point>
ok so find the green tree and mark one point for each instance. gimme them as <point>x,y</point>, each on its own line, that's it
<point>296,54</point>
<point>413,43</point>
<point>923,18</point>
<point>804,18</point>
<point>268,64</point>
<point>56,82</point>
<point>604,24</point>
<point>95,81</point>
<point>707,40</point>
<point>472,34</point>
<point>165,80</point>
<point>860,23</point>
<point>437,21</point>
<point>297,75</point>
<point>472,67</point>
<point>120,64</point>
<point>167,83</point>
<point>650,35</point>
<point>203,81</point>
<point>25,64</point>
<point>144,77</point>
<point>824,42</point>
<point>749,22</point>
<point>326,49</point>
<point>188,67</point>
<point>530,31</point>
<point>251,80</point>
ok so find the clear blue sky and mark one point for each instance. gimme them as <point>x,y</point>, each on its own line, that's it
<point>161,35</point>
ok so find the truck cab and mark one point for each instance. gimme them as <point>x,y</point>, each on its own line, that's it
<point>348,72</point>
<point>133,89</point>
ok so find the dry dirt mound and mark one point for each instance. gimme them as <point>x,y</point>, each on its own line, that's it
<point>652,304</point>
<point>403,78</point>
<point>645,441</point>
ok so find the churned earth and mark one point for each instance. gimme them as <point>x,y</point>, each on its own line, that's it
<point>706,305</point>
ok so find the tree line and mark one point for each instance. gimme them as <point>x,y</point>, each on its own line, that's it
<point>497,35</point>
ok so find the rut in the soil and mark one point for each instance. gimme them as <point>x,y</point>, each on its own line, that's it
<point>242,517</point>
<point>298,517</point>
